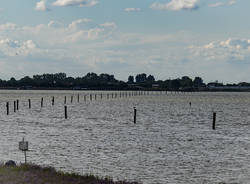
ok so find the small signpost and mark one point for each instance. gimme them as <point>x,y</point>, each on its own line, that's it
<point>24,146</point>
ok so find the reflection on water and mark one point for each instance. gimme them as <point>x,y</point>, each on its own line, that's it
<point>171,142</point>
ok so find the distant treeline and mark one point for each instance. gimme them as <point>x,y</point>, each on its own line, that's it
<point>108,82</point>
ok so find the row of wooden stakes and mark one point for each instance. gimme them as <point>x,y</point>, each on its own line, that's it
<point>91,97</point>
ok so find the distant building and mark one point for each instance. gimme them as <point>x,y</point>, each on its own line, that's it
<point>155,86</point>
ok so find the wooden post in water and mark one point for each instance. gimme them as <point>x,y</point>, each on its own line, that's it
<point>65,112</point>
<point>65,99</point>
<point>17,104</point>
<point>78,98</point>
<point>214,120</point>
<point>42,102</point>
<point>29,104</point>
<point>134,115</point>
<point>71,100</point>
<point>90,96</point>
<point>7,108</point>
<point>14,106</point>
<point>95,96</point>
<point>53,100</point>
<point>101,95</point>
<point>84,98</point>
<point>107,96</point>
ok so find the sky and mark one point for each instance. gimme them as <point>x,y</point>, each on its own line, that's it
<point>166,38</point>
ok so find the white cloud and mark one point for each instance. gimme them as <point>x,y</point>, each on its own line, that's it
<point>233,44</point>
<point>231,2</point>
<point>41,6</point>
<point>226,50</point>
<point>236,43</point>
<point>109,24</point>
<point>218,4</point>
<point>132,9</point>
<point>55,24</point>
<point>80,3</point>
<point>8,27</point>
<point>76,23</point>
<point>14,47</point>
<point>176,5</point>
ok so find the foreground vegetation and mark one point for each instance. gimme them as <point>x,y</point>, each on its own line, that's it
<point>33,174</point>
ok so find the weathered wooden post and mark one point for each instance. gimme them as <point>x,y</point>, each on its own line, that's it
<point>112,95</point>
<point>42,102</point>
<point>53,100</point>
<point>78,98</point>
<point>214,120</point>
<point>14,106</point>
<point>17,104</point>
<point>95,96</point>
<point>71,100</point>
<point>134,115</point>
<point>107,96</point>
<point>101,95</point>
<point>90,96</point>
<point>7,108</point>
<point>65,112</point>
<point>84,98</point>
<point>29,104</point>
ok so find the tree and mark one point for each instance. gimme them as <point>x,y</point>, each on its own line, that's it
<point>186,82</point>
<point>12,81</point>
<point>26,81</point>
<point>198,82</point>
<point>141,78</point>
<point>150,78</point>
<point>131,79</point>
<point>175,84</point>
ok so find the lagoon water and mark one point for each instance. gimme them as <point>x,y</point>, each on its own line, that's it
<point>171,142</point>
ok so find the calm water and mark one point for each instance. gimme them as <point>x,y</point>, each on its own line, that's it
<point>171,142</point>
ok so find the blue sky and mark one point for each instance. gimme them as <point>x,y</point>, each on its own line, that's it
<point>166,38</point>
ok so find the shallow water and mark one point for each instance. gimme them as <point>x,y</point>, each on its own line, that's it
<point>171,142</point>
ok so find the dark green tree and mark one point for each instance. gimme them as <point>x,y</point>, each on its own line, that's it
<point>131,79</point>
<point>198,82</point>
<point>186,82</point>
<point>141,78</point>
<point>150,78</point>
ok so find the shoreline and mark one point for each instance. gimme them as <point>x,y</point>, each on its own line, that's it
<point>35,174</point>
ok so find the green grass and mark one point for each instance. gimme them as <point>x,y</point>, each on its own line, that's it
<point>34,174</point>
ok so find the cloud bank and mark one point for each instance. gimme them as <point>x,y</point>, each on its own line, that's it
<point>176,5</point>
<point>80,3</point>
